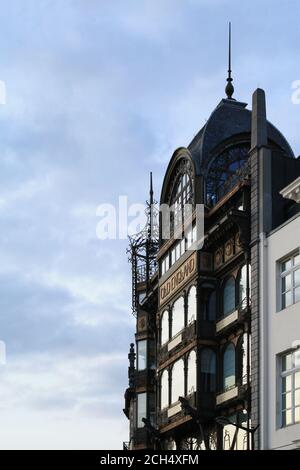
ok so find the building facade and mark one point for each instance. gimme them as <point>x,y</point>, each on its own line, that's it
<point>197,366</point>
<point>280,287</point>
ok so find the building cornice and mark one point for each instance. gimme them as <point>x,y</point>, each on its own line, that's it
<point>292,191</point>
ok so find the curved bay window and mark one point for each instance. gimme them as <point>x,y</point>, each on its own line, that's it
<point>225,171</point>
<point>228,296</point>
<point>208,370</point>
<point>192,373</point>
<point>192,305</point>
<point>229,367</point>
<point>177,381</point>
<point>164,327</point>
<point>182,195</point>
<point>164,390</point>
<point>178,316</point>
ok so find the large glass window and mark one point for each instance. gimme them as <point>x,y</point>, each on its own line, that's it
<point>290,280</point>
<point>177,251</point>
<point>192,373</point>
<point>142,355</point>
<point>178,316</point>
<point>182,195</point>
<point>164,389</point>
<point>165,264</point>
<point>229,296</point>
<point>177,381</point>
<point>290,388</point>
<point>141,409</point>
<point>192,305</point>
<point>225,171</point>
<point>164,325</point>
<point>229,367</point>
<point>208,370</point>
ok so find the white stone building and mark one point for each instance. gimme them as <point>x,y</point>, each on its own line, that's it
<point>280,330</point>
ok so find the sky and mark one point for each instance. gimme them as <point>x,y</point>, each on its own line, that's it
<point>98,94</point>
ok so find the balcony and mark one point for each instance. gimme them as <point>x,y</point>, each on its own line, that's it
<point>236,392</point>
<point>178,342</point>
<point>174,412</point>
<point>237,317</point>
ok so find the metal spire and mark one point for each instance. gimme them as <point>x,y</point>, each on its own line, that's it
<point>229,87</point>
<point>151,189</point>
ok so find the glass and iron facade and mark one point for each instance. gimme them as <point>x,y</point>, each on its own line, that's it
<point>193,368</point>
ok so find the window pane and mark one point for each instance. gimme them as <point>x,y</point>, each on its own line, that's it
<point>211,307</point>
<point>173,256</point>
<point>286,283</point>
<point>297,380</point>
<point>177,380</point>
<point>177,251</point>
<point>296,260</point>
<point>141,409</point>
<point>165,327</point>
<point>286,400</point>
<point>297,277</point>
<point>286,265</point>
<point>192,373</point>
<point>297,398</point>
<point>287,384</point>
<point>142,355</point>
<point>208,370</point>
<point>297,294</point>
<point>288,417</point>
<point>164,383</point>
<point>178,316</point>
<point>286,362</point>
<point>229,367</point>
<point>286,299</point>
<point>297,415</point>
<point>229,296</point>
<point>192,305</point>
<point>243,287</point>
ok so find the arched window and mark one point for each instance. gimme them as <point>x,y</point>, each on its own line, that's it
<point>192,373</point>
<point>178,316</point>
<point>243,285</point>
<point>229,367</point>
<point>208,370</point>
<point>164,390</point>
<point>177,381</point>
<point>229,296</point>
<point>224,172</point>
<point>182,195</point>
<point>192,305</point>
<point>164,325</point>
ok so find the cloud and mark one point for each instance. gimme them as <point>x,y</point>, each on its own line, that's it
<point>98,94</point>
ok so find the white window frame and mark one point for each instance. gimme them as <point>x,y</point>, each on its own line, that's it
<point>295,266</point>
<point>295,368</point>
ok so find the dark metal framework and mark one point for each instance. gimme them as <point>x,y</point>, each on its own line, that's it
<point>225,170</point>
<point>142,251</point>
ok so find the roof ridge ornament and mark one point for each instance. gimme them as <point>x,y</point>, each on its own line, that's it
<point>229,90</point>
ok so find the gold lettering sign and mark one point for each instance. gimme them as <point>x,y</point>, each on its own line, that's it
<point>178,279</point>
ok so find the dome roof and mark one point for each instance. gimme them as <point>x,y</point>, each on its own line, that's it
<point>229,120</point>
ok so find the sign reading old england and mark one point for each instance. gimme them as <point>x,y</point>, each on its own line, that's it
<point>178,279</point>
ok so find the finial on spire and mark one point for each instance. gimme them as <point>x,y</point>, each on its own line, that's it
<point>151,188</point>
<point>229,87</point>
